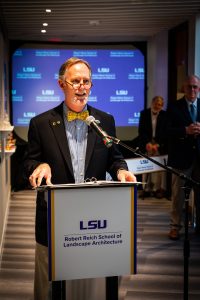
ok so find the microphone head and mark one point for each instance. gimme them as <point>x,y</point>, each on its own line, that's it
<point>89,120</point>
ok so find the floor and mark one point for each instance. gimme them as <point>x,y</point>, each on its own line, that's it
<point>160,273</point>
<point>17,266</point>
<point>160,261</point>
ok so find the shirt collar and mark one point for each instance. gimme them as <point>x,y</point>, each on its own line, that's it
<point>194,103</point>
<point>154,113</point>
<point>65,108</point>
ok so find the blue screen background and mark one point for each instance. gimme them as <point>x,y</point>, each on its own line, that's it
<point>118,76</point>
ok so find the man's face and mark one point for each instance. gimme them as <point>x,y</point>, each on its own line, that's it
<point>192,88</point>
<point>157,105</point>
<point>76,86</point>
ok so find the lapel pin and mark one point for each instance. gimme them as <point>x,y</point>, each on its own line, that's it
<point>55,123</point>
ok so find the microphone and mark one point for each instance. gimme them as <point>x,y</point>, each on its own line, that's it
<point>90,121</point>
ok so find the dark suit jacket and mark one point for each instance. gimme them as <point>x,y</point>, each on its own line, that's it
<point>145,130</point>
<point>182,148</point>
<point>48,144</point>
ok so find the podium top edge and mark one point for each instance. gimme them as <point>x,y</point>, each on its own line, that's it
<point>91,184</point>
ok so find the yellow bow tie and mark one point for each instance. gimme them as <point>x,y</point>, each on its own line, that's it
<point>71,115</point>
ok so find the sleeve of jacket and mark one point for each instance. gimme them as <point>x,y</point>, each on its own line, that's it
<point>33,155</point>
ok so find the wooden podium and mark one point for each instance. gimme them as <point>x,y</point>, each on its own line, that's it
<point>92,232</point>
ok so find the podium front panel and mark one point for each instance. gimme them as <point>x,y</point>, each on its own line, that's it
<point>92,232</point>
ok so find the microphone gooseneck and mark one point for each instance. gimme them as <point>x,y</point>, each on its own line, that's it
<point>90,121</point>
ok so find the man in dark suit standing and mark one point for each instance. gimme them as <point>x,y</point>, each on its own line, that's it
<point>184,150</point>
<point>63,149</point>
<point>152,140</point>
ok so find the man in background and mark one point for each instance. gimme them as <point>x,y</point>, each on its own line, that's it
<point>184,150</point>
<point>63,149</point>
<point>152,141</point>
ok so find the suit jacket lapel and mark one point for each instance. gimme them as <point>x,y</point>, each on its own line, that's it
<point>57,124</point>
<point>198,110</point>
<point>149,121</point>
<point>186,110</point>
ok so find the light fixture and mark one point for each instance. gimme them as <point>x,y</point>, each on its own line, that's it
<point>94,22</point>
<point>48,10</point>
<point>45,24</point>
<point>43,30</point>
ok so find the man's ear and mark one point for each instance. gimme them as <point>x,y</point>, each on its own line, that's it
<point>61,84</point>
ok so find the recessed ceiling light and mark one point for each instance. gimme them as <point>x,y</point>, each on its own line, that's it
<point>94,22</point>
<point>43,30</point>
<point>45,24</point>
<point>48,10</point>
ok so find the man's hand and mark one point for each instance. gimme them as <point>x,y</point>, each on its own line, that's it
<point>42,171</point>
<point>124,175</point>
<point>193,129</point>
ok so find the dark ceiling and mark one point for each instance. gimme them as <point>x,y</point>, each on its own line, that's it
<point>92,20</point>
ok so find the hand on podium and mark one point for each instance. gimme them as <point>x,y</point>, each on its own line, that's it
<point>42,171</point>
<point>124,175</point>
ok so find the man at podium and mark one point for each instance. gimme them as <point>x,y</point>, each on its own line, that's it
<point>63,149</point>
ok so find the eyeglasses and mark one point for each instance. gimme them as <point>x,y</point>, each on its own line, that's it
<point>190,86</point>
<point>87,84</point>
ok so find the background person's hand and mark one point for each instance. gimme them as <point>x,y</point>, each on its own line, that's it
<point>193,129</point>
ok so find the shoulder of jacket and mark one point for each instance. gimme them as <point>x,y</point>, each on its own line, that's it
<point>51,112</point>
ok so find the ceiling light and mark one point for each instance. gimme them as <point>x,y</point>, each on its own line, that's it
<point>43,30</point>
<point>94,22</point>
<point>45,24</point>
<point>48,10</point>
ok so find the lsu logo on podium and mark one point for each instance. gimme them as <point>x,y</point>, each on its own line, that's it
<point>93,224</point>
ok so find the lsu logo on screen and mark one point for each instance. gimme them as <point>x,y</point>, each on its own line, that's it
<point>103,70</point>
<point>121,92</point>
<point>28,69</point>
<point>93,224</point>
<point>47,92</point>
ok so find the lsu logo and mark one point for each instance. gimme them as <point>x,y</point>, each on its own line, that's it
<point>29,114</point>
<point>103,70</point>
<point>29,69</point>
<point>48,92</point>
<point>93,224</point>
<point>137,114</point>
<point>144,161</point>
<point>121,92</point>
<point>139,70</point>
